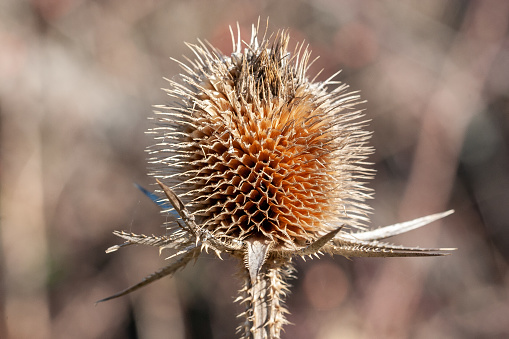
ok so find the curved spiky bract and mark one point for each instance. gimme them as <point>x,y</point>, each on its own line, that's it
<point>257,150</point>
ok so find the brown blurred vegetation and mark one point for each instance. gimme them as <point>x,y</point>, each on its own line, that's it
<point>77,81</point>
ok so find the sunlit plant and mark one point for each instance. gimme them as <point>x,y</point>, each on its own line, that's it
<point>262,163</point>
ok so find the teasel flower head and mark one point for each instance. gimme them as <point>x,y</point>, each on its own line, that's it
<point>257,151</point>
<point>264,164</point>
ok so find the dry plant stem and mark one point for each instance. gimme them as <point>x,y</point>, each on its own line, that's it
<point>264,297</point>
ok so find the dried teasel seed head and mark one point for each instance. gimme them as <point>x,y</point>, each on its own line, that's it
<point>257,150</point>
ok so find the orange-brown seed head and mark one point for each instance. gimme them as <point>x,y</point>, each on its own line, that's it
<point>257,150</point>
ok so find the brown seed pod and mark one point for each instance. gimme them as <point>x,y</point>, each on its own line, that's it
<point>257,150</point>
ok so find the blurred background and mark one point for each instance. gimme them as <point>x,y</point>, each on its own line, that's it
<point>77,81</point>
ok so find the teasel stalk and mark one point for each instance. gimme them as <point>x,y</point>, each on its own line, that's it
<point>261,163</point>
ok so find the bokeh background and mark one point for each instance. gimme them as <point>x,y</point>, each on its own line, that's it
<point>77,81</point>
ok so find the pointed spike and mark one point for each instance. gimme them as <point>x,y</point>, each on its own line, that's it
<point>392,230</point>
<point>167,270</point>
<point>179,206</point>
<point>132,238</point>
<point>218,253</point>
<point>117,247</point>
<point>319,243</point>
<point>239,45</point>
<point>348,248</point>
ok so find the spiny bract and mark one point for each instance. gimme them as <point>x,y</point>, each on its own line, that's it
<point>264,164</point>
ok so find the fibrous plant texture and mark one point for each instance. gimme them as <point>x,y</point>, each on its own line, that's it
<point>261,163</point>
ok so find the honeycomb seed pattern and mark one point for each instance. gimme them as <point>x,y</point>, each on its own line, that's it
<point>257,150</point>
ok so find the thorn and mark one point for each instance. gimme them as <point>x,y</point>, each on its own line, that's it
<point>167,270</point>
<point>218,253</point>
<point>117,247</point>
<point>392,230</point>
<point>320,242</point>
<point>112,249</point>
<point>179,206</point>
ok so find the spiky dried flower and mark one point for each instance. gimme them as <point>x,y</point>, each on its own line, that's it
<point>264,164</point>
